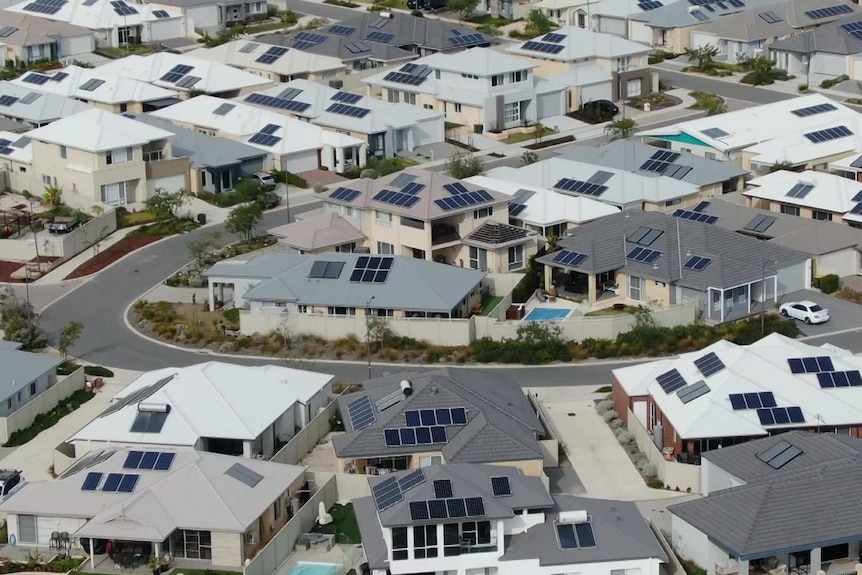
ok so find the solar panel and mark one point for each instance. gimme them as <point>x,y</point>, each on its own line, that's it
<point>371,269</point>
<point>456,507</point>
<point>223,109</point>
<point>554,37</point>
<point>188,82</point>
<point>419,511</point>
<point>91,482</point>
<point>7,100</point>
<point>515,209</point>
<point>264,140</point>
<point>800,190</point>
<point>280,103</point>
<point>829,11</point>
<point>760,224</point>
<point>303,45</point>
<point>780,415</point>
<point>645,236</point>
<point>650,5</point>
<point>244,475</point>
<point>697,263</point>
<point>411,417</point>
<point>249,48</point>
<point>644,255</point>
<point>575,536</point>
<point>133,459</point>
<point>401,78</point>
<point>112,483</point>
<point>428,416</point>
<point>442,488</point>
<point>437,509</point>
<point>345,110</point>
<point>695,216</point>
<point>311,37</point>
<point>692,392</point>
<point>128,483</point>
<point>753,400</point>
<point>500,486</point>
<point>91,84</point>
<point>533,46</point>
<point>475,506</point>
<point>839,378</point>
<point>586,538</point>
<point>345,194</point>
<point>34,78</point>
<point>412,188</point>
<point>829,134</point>
<point>386,493</point>
<point>164,462</point>
<point>7,31</point>
<point>812,110</point>
<point>770,17</point>
<point>361,413</point>
<point>569,258</point>
<point>444,416</point>
<point>411,480</point>
<point>580,187</point>
<point>346,97</point>
<point>380,36</point>
<point>709,364</point>
<point>423,435</point>
<point>149,422</point>
<point>671,380</point>
<point>784,457</point>
<point>810,364</point>
<point>342,30</point>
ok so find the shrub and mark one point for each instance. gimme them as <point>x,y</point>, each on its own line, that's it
<point>616,423</point>
<point>655,483</point>
<point>67,367</point>
<point>649,470</point>
<point>98,371</point>
<point>826,84</point>
<point>829,283</point>
<point>802,88</point>
<point>625,437</point>
<point>232,315</point>
<point>604,406</point>
<point>608,416</point>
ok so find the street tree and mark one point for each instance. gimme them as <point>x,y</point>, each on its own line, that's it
<point>538,23</point>
<point>464,165</point>
<point>19,322</point>
<point>242,220</point>
<point>165,205</point>
<point>704,56</point>
<point>68,336</point>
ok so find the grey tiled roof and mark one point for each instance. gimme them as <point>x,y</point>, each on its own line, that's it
<point>735,259</point>
<point>336,47</point>
<point>803,509</point>
<point>22,367</point>
<point>677,15</point>
<point>497,235</point>
<point>630,155</point>
<point>373,543</point>
<point>741,460</point>
<point>410,31</point>
<point>620,530</point>
<point>501,424</point>
<point>829,38</point>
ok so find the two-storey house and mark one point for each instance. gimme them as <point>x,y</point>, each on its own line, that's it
<point>29,39</point>
<point>595,65</point>
<point>480,88</point>
<point>101,158</point>
<point>22,103</point>
<point>462,518</point>
<point>210,15</point>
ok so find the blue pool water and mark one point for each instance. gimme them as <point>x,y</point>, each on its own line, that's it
<point>303,568</point>
<point>547,314</point>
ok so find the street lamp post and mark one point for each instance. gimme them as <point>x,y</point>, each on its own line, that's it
<point>368,333</point>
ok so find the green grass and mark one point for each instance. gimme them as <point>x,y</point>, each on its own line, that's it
<point>48,419</point>
<point>126,219</point>
<point>488,20</point>
<point>343,525</point>
<point>115,53</point>
<point>489,303</point>
<point>519,137</point>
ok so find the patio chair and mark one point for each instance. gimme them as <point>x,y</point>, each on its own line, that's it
<point>54,541</point>
<point>64,540</point>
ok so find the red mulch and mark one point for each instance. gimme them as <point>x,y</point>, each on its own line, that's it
<point>105,258</point>
<point>6,269</point>
<point>45,259</point>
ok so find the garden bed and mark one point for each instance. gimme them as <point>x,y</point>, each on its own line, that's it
<point>117,251</point>
<point>549,143</point>
<point>7,269</point>
<point>49,419</point>
<point>658,101</point>
<point>462,145</point>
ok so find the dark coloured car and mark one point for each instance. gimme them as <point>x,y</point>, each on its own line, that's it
<point>602,108</point>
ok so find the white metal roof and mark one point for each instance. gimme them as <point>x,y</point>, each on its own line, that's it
<point>105,88</point>
<point>214,76</point>
<point>245,54</point>
<point>99,14</point>
<point>830,192</point>
<point>22,152</point>
<point>580,43</point>
<point>798,149</point>
<point>97,130</point>
<point>479,61</point>
<point>759,367</point>
<point>210,399</point>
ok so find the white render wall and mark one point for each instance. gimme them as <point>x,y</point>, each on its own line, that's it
<point>714,478</point>
<point>532,567</point>
<point>45,525</point>
<point>692,544</point>
<point>843,262</point>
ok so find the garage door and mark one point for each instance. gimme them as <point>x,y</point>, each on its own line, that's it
<point>300,161</point>
<point>550,105</point>
<point>596,92</point>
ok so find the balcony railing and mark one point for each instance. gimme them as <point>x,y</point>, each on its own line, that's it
<point>444,234</point>
<point>154,156</point>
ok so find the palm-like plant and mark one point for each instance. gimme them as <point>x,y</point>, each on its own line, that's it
<point>53,195</point>
<point>703,56</point>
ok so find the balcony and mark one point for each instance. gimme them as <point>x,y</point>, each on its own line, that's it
<point>153,156</point>
<point>444,235</point>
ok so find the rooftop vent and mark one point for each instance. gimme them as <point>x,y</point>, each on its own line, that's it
<point>406,388</point>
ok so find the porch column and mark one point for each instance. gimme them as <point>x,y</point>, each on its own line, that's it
<point>212,294</point>
<point>742,567</point>
<point>157,550</point>
<point>221,292</point>
<point>548,277</point>
<point>775,289</point>
<point>93,555</point>
<point>815,561</point>
<point>591,289</point>
<point>721,303</point>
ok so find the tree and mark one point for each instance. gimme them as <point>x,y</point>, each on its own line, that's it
<point>68,336</point>
<point>490,30</point>
<point>703,56</point>
<point>529,157</point>
<point>783,165</point>
<point>19,322</point>
<point>53,195</point>
<point>540,131</point>
<point>248,189</point>
<point>243,219</point>
<point>464,8</point>
<point>464,165</point>
<point>621,129</point>
<point>761,70</point>
<point>165,205</point>
<point>200,248</point>
<point>538,23</point>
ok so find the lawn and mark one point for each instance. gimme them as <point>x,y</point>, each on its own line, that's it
<point>127,219</point>
<point>343,525</point>
<point>489,303</point>
<point>519,137</point>
<point>488,20</point>
<point>116,53</point>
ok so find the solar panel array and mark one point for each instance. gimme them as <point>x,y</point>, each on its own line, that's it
<point>800,190</point>
<point>402,78</point>
<point>396,198</point>
<point>395,437</point>
<point>91,84</point>
<point>45,6</point>
<point>854,29</point>
<point>58,76</point>
<point>346,97</point>
<point>580,187</point>
<point>272,54</point>
<point>812,110</point>
<point>7,31</point>
<point>810,364</point>
<point>280,103</point>
<point>34,78</point>
<point>325,270</point>
<point>544,47</point>
<point>780,415</point>
<point>371,269</point>
<point>829,134</point>
<point>438,416</point>
<point>264,137</point>
<point>695,216</point>
<point>515,209</point>
<point>569,258</point>
<point>342,30</point>
<point>447,508</point>
<point>671,381</point>
<point>7,100</point>
<point>660,161</point>
<point>461,197</point>
<point>391,490</point>
<point>856,209</point>
<point>149,422</point>
<point>650,5</point>
<point>30,98</point>
<point>137,396</point>
<point>188,81</point>
<point>120,482</point>
<point>692,392</point>
<point>224,109</point>
<point>829,11</point>
<point>714,133</point>
<point>244,475</point>
<point>122,8</point>
<point>4,147</point>
<point>645,236</point>
<point>840,378</point>
<point>645,255</point>
<point>779,454</point>
<point>500,486</point>
<point>697,263</point>
<point>770,17</point>
<point>161,14</point>
<point>176,73</point>
<point>345,110</point>
<point>149,460</point>
<point>575,535</point>
<point>753,400</point>
<point>345,194</point>
<point>465,39</point>
<point>709,364</point>
<point>553,37</point>
<point>760,224</point>
<point>380,36</point>
<point>361,413</point>
<point>357,47</point>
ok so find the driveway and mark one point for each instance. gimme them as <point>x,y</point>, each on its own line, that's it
<point>844,315</point>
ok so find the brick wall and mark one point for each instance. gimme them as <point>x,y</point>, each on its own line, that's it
<point>621,401</point>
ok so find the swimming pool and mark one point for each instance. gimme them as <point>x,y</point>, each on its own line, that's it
<point>547,314</point>
<point>303,568</point>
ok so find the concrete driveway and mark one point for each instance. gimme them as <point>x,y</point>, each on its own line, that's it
<point>844,315</point>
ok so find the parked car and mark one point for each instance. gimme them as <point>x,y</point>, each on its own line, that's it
<point>807,311</point>
<point>600,108</point>
<point>265,179</point>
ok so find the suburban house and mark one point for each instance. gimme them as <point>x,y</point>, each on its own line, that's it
<point>109,92</point>
<point>444,416</point>
<point>509,9</point>
<point>250,412</point>
<point>277,285</point>
<point>712,178</point>
<point>272,62</point>
<point>28,106</point>
<point>317,232</point>
<point>353,53</point>
<point>114,22</point>
<point>29,38</point>
<point>100,158</point>
<point>671,24</point>
<point>577,53</point>
<point>824,53</point>
<point>26,379</point>
<point>216,164</point>
<point>619,188</point>
<point>797,516</point>
<point>500,520</point>
<point>211,15</point>
<point>186,76</point>
<point>16,161</point>
<point>727,394</point>
<point>752,32</point>
<point>833,248</point>
<point>480,88</point>
<point>292,145</point>
<point>201,509</point>
<point>432,216</point>
<point>817,195</point>
<point>663,260</point>
<point>548,213</point>
<point>608,16</point>
<point>729,136</point>
<point>388,127</point>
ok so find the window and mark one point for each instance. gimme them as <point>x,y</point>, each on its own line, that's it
<point>428,106</point>
<point>436,74</point>
<point>399,543</point>
<point>9,403</point>
<point>27,529</point>
<point>409,98</point>
<point>516,257</point>
<point>687,150</point>
<point>346,248</point>
<point>478,258</point>
<point>32,389</point>
<point>451,540</point>
<point>557,230</point>
<point>346,211</point>
<point>518,76</point>
<point>385,249</point>
<point>483,212</point>
<point>470,76</point>
<point>634,288</point>
<point>123,34</point>
<point>393,95</point>
<point>341,310</point>
<point>497,80</point>
<point>114,194</point>
<point>412,223</point>
<point>834,552</point>
<point>382,219</point>
<point>633,88</point>
<point>512,112</point>
<point>276,509</point>
<point>63,151</point>
<point>46,179</point>
<point>623,64</point>
<point>476,532</point>
<point>709,155</point>
<point>19,397</point>
<point>821,215</point>
<point>789,210</point>
<point>425,541</point>
<point>119,156</point>
<point>457,108</point>
<point>672,202</point>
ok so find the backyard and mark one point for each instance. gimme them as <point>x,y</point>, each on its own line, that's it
<point>343,525</point>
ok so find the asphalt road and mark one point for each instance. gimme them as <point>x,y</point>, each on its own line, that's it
<point>721,87</point>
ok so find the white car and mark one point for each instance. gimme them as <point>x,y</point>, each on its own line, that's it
<point>807,311</point>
